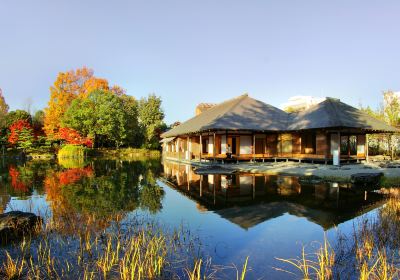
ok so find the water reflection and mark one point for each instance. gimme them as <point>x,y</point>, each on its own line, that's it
<point>75,190</point>
<point>250,199</point>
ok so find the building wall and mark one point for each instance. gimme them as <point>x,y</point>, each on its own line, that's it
<point>296,143</point>
<point>272,145</point>
<point>321,143</point>
<point>245,144</point>
<point>210,145</point>
<point>361,149</point>
<point>285,144</point>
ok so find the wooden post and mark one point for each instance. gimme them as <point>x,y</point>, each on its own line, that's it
<point>214,151</point>
<point>188,150</point>
<point>254,148</point>
<point>348,146</point>
<point>179,149</point>
<point>201,147</point>
<point>339,147</point>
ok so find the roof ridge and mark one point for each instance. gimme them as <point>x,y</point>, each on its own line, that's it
<point>333,102</point>
<point>230,108</point>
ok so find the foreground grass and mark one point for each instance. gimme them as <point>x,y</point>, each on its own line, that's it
<point>69,248</point>
<point>372,252</point>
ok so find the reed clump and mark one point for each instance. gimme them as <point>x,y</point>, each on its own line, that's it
<point>372,251</point>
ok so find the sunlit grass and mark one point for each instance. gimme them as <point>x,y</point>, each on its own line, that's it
<point>130,250</point>
<point>373,251</point>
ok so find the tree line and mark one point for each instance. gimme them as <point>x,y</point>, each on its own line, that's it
<point>389,112</point>
<point>85,110</point>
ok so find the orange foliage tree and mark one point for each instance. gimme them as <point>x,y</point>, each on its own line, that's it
<point>71,136</point>
<point>68,86</point>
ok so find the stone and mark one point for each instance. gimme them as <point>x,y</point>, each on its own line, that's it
<point>15,225</point>
<point>366,179</point>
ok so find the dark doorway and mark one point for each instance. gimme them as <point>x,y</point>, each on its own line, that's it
<point>234,145</point>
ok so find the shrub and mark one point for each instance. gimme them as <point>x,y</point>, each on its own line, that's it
<point>72,151</point>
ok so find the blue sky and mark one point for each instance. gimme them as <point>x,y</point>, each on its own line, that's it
<point>203,51</point>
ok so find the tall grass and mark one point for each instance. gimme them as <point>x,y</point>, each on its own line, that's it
<point>124,250</point>
<point>372,252</point>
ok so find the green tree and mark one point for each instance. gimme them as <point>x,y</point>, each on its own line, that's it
<point>151,118</point>
<point>25,139</point>
<point>18,115</point>
<point>38,119</point>
<point>134,137</point>
<point>100,116</point>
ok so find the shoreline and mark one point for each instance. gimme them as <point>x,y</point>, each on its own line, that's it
<point>291,168</point>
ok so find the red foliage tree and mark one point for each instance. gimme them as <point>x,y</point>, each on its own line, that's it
<point>16,128</point>
<point>71,136</point>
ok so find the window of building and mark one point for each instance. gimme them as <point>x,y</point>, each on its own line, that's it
<point>308,143</point>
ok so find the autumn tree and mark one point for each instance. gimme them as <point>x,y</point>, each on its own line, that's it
<point>71,136</point>
<point>67,87</point>
<point>151,118</point>
<point>391,103</point>
<point>21,134</point>
<point>100,116</point>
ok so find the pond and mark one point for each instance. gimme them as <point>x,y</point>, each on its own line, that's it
<point>231,216</point>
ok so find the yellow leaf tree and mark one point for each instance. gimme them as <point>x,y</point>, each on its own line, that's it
<point>68,86</point>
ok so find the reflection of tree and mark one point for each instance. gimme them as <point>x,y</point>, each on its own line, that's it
<point>73,175</point>
<point>104,189</point>
<point>102,195</point>
<point>17,180</point>
<point>151,194</point>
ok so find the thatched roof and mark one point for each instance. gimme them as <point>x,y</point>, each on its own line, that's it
<point>246,113</point>
<point>241,113</point>
<point>332,113</point>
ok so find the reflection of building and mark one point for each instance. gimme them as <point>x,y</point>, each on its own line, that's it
<point>247,129</point>
<point>250,199</point>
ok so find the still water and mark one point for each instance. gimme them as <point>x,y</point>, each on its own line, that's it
<point>233,216</point>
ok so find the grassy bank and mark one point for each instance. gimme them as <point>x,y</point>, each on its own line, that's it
<point>125,153</point>
<point>72,151</point>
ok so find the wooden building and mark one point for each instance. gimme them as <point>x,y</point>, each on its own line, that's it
<point>244,128</point>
